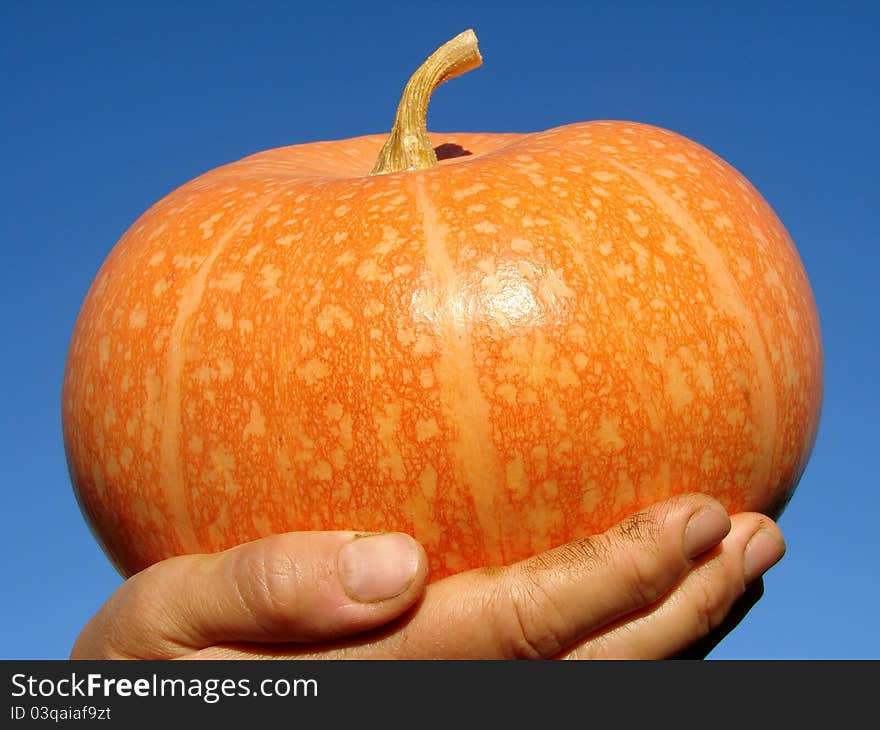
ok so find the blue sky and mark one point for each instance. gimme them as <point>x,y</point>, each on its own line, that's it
<point>106,107</point>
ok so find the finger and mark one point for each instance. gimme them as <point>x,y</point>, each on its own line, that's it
<point>306,586</point>
<point>700,603</point>
<point>543,605</point>
<point>740,609</point>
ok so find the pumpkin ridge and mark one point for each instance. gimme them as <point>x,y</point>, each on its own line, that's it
<point>464,404</point>
<point>173,481</point>
<point>729,298</point>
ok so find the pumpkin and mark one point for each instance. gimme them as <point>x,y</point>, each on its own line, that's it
<point>494,342</point>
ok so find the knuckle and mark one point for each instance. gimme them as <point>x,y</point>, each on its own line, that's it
<point>266,583</point>
<point>146,596</point>
<point>710,605</point>
<point>765,523</point>
<point>139,590</point>
<point>585,553</point>
<point>531,622</point>
<point>643,580</point>
<point>643,528</point>
<point>634,546</point>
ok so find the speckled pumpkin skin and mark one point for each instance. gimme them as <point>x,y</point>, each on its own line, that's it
<point>497,355</point>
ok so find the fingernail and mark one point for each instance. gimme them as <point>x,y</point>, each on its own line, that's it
<point>705,529</point>
<point>378,567</point>
<point>763,551</point>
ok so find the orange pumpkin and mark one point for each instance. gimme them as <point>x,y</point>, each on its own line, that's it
<point>498,353</point>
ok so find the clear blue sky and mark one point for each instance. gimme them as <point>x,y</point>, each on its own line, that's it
<point>106,107</point>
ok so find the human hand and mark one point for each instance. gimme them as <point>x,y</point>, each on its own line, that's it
<point>651,587</point>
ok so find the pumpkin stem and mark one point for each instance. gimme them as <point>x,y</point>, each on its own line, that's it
<point>408,146</point>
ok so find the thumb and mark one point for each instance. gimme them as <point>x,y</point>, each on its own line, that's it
<point>301,586</point>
